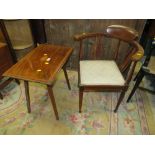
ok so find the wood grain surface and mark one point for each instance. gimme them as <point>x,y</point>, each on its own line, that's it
<point>41,64</point>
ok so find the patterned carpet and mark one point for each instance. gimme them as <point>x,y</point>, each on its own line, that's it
<point>134,118</point>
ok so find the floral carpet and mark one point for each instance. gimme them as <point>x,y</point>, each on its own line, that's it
<point>97,118</point>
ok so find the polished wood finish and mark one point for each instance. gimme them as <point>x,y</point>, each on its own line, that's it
<point>134,54</point>
<point>50,92</point>
<point>41,65</point>
<point>121,32</point>
<point>26,84</point>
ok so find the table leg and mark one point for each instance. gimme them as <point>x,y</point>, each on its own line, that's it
<point>50,92</point>
<point>66,76</point>
<point>1,96</point>
<point>27,96</point>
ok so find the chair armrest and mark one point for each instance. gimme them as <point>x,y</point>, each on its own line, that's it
<point>82,36</point>
<point>139,52</point>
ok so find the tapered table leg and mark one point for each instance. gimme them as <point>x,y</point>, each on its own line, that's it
<point>50,92</point>
<point>27,96</point>
<point>1,96</point>
<point>66,76</point>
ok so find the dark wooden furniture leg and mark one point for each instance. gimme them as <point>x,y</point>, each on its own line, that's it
<point>138,74</point>
<point>1,96</point>
<point>27,96</point>
<point>80,99</point>
<point>139,79</point>
<point>120,100</point>
<point>50,92</point>
<point>17,81</point>
<point>66,76</point>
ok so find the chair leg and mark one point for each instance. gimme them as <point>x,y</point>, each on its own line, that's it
<point>80,99</point>
<point>137,75</point>
<point>120,100</point>
<point>1,96</point>
<point>139,79</point>
<point>66,76</point>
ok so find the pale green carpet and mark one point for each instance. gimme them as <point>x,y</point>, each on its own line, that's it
<point>136,117</point>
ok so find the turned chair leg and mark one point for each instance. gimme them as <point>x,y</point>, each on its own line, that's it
<point>139,79</point>
<point>120,100</point>
<point>80,99</point>
<point>66,76</point>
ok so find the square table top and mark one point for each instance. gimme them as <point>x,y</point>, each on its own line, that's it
<point>41,64</point>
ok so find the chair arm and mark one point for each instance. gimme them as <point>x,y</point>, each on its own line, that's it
<point>139,52</point>
<point>82,36</point>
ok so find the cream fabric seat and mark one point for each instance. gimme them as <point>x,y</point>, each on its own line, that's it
<point>100,72</point>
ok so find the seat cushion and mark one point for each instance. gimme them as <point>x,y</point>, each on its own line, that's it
<point>100,72</point>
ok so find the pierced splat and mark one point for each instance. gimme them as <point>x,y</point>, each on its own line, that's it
<point>117,50</point>
<point>88,75</point>
<point>97,49</point>
<point>91,44</point>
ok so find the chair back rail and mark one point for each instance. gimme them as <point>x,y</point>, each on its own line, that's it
<point>123,34</point>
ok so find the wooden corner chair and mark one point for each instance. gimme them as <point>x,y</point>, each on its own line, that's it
<point>96,74</point>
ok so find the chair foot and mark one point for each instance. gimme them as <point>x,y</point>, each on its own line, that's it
<point>120,100</point>
<point>115,110</point>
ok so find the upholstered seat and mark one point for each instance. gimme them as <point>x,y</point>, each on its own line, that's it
<point>96,74</point>
<point>100,72</point>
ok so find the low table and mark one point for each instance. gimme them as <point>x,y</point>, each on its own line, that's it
<point>41,65</point>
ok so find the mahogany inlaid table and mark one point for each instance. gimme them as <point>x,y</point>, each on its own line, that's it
<point>41,65</point>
